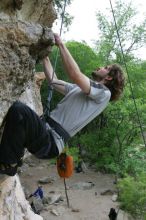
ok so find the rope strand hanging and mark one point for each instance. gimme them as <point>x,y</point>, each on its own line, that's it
<point>126,68</point>
<point>50,87</point>
<point>68,165</point>
<point>61,27</point>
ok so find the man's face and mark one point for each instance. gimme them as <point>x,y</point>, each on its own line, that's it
<point>101,73</point>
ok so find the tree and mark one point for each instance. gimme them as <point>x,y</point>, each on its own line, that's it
<point>59,6</point>
<point>132,35</point>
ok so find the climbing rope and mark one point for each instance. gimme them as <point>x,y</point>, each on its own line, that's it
<point>61,27</point>
<point>50,85</point>
<point>126,68</point>
<point>64,161</point>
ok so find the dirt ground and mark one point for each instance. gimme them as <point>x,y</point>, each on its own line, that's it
<point>85,204</point>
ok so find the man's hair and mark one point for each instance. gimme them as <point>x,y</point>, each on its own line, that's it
<point>116,85</point>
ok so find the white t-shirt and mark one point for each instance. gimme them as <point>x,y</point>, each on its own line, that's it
<point>77,109</point>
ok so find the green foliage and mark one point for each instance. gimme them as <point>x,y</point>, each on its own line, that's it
<point>38,67</point>
<point>59,6</point>
<point>132,195</point>
<point>134,159</point>
<point>132,35</point>
<point>86,58</point>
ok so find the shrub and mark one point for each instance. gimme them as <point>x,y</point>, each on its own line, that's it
<point>132,195</point>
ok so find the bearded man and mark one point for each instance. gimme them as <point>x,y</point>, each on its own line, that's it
<point>84,100</point>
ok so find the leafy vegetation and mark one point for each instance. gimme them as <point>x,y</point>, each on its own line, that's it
<point>132,35</point>
<point>133,195</point>
<point>63,15</point>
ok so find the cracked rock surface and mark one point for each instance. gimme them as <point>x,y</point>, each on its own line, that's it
<point>25,34</point>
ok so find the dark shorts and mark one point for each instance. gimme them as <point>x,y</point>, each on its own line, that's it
<point>24,129</point>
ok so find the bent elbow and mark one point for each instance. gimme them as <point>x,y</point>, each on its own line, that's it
<point>76,76</point>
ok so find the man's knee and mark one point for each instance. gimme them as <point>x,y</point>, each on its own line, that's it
<point>17,105</point>
<point>15,111</point>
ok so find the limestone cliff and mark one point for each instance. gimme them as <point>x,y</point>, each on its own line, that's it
<point>13,205</point>
<point>25,34</point>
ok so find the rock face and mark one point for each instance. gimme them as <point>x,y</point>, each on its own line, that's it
<point>13,204</point>
<point>25,34</point>
<point>25,37</point>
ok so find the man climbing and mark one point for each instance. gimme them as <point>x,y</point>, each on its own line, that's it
<point>82,102</point>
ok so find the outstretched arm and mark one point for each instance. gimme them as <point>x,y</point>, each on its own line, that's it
<point>72,69</point>
<point>58,85</point>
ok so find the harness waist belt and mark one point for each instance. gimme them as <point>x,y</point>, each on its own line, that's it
<point>58,128</point>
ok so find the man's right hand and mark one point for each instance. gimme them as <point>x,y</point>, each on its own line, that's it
<point>58,40</point>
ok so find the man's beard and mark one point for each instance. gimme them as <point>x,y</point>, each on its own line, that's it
<point>96,77</point>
